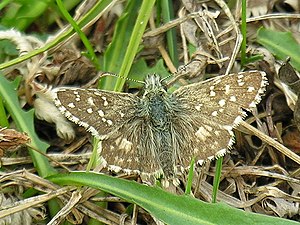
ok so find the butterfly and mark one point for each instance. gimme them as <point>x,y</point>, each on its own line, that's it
<point>156,131</point>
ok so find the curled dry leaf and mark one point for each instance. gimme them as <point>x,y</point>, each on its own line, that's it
<point>281,207</point>
<point>12,139</point>
<point>288,76</point>
<point>291,139</point>
<point>67,67</point>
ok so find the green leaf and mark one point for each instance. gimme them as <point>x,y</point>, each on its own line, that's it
<point>24,122</point>
<point>167,207</point>
<point>98,8</point>
<point>217,179</point>
<point>140,69</point>
<point>20,16</point>
<point>281,44</point>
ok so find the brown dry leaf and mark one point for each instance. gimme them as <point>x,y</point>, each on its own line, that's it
<point>66,68</point>
<point>291,139</point>
<point>12,139</point>
<point>281,207</point>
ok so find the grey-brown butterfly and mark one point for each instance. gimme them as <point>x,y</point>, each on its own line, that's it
<point>156,131</point>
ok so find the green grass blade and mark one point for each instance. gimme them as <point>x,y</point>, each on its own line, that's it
<point>167,207</point>
<point>3,118</point>
<point>24,122</point>
<point>135,40</point>
<point>244,33</point>
<point>115,53</point>
<point>189,183</point>
<point>91,54</point>
<point>168,15</point>
<point>217,176</point>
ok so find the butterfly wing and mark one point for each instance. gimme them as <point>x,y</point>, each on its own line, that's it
<point>109,116</point>
<point>214,107</point>
<point>100,112</point>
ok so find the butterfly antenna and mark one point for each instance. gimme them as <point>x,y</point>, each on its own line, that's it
<point>118,76</point>
<point>167,77</point>
<point>180,70</point>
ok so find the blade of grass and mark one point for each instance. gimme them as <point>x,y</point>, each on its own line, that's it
<point>189,183</point>
<point>91,54</point>
<point>167,207</point>
<point>244,33</point>
<point>115,52</point>
<point>3,117</point>
<point>135,40</point>
<point>217,179</point>
<point>168,15</point>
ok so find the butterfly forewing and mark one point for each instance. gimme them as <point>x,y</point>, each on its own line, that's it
<point>100,112</point>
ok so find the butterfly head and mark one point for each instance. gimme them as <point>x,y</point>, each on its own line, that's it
<point>154,86</point>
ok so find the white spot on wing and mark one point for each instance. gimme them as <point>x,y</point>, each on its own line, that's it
<point>202,133</point>
<point>227,89</point>
<point>91,101</point>
<point>196,150</point>
<point>232,98</point>
<point>198,107</point>
<point>240,76</point>
<point>212,93</point>
<point>121,114</point>
<point>240,82</point>
<point>109,122</point>
<point>105,101</point>
<point>71,105</point>
<point>101,113</point>
<point>214,113</point>
<point>222,102</point>
<point>250,89</point>
<point>89,110</point>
